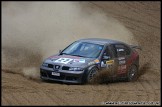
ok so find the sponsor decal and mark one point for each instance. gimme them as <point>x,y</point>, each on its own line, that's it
<point>63,60</point>
<point>76,60</point>
<point>79,60</point>
<point>122,69</point>
<point>122,62</point>
<point>91,63</point>
<point>96,61</point>
<point>109,62</point>
<point>121,58</point>
<point>82,61</point>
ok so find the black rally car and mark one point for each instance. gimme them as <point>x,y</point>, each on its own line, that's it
<point>79,62</point>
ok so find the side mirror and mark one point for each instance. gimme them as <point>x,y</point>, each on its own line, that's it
<point>106,57</point>
<point>60,51</point>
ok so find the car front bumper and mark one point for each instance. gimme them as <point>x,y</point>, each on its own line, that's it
<point>64,76</point>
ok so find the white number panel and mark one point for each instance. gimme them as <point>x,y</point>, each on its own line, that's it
<point>63,60</point>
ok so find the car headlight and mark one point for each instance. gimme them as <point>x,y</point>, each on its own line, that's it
<point>45,64</point>
<point>75,69</point>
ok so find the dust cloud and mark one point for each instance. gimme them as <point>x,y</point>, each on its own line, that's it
<point>32,31</point>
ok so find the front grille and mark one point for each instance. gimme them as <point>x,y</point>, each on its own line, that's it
<point>65,68</point>
<point>50,65</point>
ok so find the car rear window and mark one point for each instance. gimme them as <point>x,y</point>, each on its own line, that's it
<point>120,50</point>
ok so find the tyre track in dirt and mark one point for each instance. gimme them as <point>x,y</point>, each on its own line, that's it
<point>141,94</point>
<point>146,86</point>
<point>33,95</point>
<point>41,95</point>
<point>62,94</point>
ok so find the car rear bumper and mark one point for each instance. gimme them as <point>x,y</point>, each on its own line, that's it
<point>63,77</point>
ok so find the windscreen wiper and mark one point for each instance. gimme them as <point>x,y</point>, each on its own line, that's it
<point>78,55</point>
<point>64,54</point>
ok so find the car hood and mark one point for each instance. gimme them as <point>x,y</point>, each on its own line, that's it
<point>71,61</point>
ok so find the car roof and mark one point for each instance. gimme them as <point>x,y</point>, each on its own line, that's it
<point>100,41</point>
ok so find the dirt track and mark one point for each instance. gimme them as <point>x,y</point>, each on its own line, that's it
<point>143,20</point>
<point>21,91</point>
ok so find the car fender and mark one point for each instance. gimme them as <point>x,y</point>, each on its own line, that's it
<point>133,60</point>
<point>86,71</point>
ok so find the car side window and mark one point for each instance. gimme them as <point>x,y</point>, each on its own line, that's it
<point>113,50</point>
<point>127,50</point>
<point>120,50</point>
<point>107,52</point>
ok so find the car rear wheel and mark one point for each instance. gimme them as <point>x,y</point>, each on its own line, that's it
<point>132,73</point>
<point>91,74</point>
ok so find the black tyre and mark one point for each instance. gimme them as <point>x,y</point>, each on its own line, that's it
<point>132,73</point>
<point>91,74</point>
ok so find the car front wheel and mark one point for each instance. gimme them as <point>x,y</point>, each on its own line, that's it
<point>91,74</point>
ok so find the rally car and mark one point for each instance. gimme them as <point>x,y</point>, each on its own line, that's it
<point>81,60</point>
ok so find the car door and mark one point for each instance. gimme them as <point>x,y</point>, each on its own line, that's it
<point>109,63</point>
<point>122,54</point>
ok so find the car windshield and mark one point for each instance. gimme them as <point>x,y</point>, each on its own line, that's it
<point>83,49</point>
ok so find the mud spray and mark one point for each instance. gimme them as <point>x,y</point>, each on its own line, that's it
<point>103,76</point>
<point>32,31</point>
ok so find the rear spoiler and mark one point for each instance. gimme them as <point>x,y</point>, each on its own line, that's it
<point>135,47</point>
